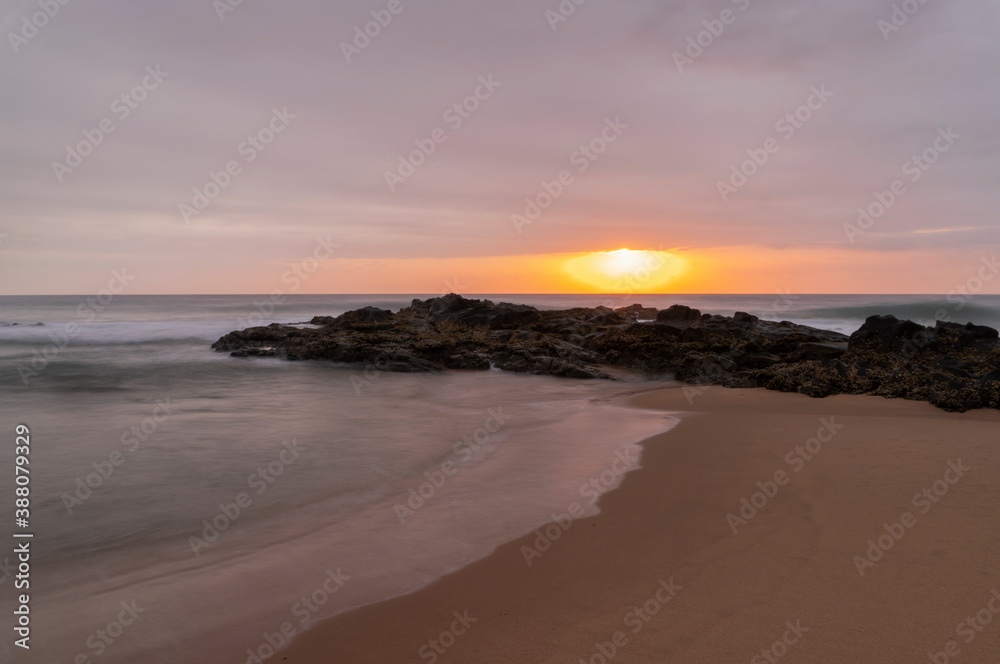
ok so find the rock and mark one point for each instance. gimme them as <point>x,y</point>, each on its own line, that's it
<point>369,318</point>
<point>812,350</point>
<point>759,360</point>
<point>678,313</point>
<point>886,334</point>
<point>513,317</point>
<point>458,310</point>
<point>977,332</point>
<point>637,312</point>
<point>953,366</point>
<point>525,335</point>
<point>837,366</point>
<point>992,377</point>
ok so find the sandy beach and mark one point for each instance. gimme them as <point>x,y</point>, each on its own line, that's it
<point>765,527</point>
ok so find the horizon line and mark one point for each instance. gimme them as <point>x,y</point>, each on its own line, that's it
<point>469,295</point>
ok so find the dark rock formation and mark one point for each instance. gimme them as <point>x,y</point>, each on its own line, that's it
<point>950,365</point>
<point>637,312</point>
<point>956,367</point>
<point>678,313</point>
<point>369,318</point>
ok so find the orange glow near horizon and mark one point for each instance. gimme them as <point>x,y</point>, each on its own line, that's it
<point>625,270</point>
<point>733,269</point>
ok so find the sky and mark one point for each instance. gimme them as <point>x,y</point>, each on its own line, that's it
<point>837,146</point>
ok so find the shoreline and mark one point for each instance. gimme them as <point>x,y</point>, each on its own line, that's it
<point>663,541</point>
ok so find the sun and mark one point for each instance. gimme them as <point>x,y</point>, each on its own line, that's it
<point>617,264</point>
<point>626,270</point>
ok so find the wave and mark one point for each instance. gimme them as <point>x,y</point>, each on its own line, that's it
<point>925,312</point>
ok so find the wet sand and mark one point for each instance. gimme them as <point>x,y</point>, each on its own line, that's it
<point>847,561</point>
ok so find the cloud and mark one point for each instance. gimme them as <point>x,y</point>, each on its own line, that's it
<point>655,187</point>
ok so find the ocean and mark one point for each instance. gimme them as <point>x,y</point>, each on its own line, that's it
<point>186,505</point>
